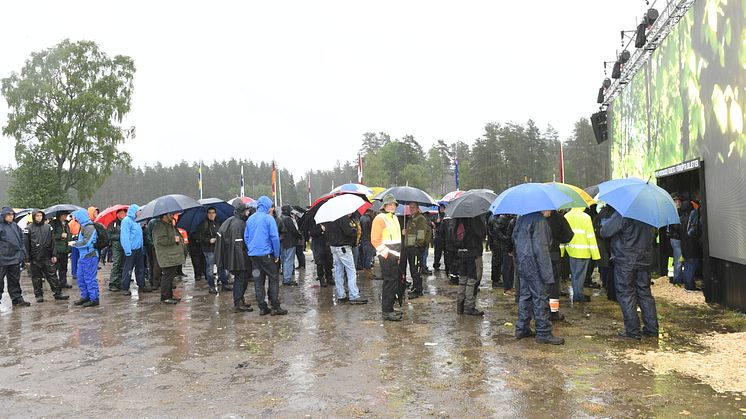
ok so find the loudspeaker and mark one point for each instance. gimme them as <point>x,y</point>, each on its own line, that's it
<point>600,97</point>
<point>600,126</point>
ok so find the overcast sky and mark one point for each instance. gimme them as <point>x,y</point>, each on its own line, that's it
<point>300,81</point>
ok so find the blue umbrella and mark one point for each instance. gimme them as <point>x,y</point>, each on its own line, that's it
<point>634,198</point>
<point>527,198</point>
<point>352,188</point>
<point>166,204</point>
<point>191,218</point>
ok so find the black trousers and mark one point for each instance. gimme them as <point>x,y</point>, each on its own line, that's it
<point>439,251</point>
<point>13,273</point>
<point>44,269</point>
<point>167,281</point>
<point>198,260</point>
<point>61,267</point>
<point>497,265</point>
<point>452,263</point>
<point>411,257</point>
<point>390,273</point>
<point>323,260</point>
<point>155,269</point>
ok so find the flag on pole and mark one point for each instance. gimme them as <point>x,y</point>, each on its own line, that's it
<point>360,168</point>
<point>455,171</point>
<point>199,179</point>
<point>242,187</point>
<point>562,165</point>
<point>274,182</point>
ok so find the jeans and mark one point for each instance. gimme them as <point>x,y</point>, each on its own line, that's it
<point>288,264</point>
<point>134,261</point>
<point>578,268</point>
<point>209,265</point>
<point>264,269</point>
<point>344,262</point>
<point>367,252</point>
<point>690,271</point>
<point>423,258</point>
<point>74,257</point>
<point>676,246</point>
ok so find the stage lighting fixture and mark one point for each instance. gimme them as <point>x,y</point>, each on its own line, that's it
<point>624,56</point>
<point>616,72</point>
<point>600,98</point>
<point>651,16</point>
<point>640,37</point>
<point>607,83</point>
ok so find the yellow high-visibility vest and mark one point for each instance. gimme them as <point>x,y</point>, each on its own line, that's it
<point>583,244</point>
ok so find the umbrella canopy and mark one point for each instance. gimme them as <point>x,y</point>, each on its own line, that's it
<point>353,188</point>
<point>110,214</point>
<point>527,198</point>
<point>450,196</point>
<point>579,197</point>
<point>224,209</point>
<point>471,204</point>
<point>339,206</point>
<point>592,190</point>
<point>405,194</point>
<point>52,211</point>
<point>634,198</point>
<point>166,204</point>
<point>375,190</point>
<point>405,210</point>
<point>245,199</point>
<point>20,214</point>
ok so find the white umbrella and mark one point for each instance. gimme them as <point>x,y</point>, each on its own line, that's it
<point>339,206</point>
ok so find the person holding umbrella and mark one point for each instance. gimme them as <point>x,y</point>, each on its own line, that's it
<point>208,237</point>
<point>342,234</point>
<point>12,254</point>
<point>62,235</point>
<point>386,238</point>
<point>263,243</point>
<point>169,249</point>
<point>417,235</point>
<point>41,257</point>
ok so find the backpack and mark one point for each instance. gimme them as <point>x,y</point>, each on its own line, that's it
<point>102,237</point>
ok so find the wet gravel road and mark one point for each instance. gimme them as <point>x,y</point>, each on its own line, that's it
<point>135,357</point>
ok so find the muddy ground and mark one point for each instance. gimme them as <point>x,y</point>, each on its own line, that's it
<point>134,357</point>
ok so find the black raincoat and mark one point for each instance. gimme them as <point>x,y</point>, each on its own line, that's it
<point>230,250</point>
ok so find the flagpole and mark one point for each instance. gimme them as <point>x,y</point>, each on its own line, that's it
<point>562,164</point>
<point>308,182</point>
<point>360,168</point>
<point>279,185</point>
<point>199,179</point>
<point>274,182</point>
<point>242,183</point>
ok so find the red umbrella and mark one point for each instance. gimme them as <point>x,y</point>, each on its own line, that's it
<point>245,199</point>
<point>110,214</point>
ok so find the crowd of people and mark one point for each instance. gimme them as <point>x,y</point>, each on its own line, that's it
<point>260,245</point>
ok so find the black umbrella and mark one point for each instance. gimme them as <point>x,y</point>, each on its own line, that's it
<point>405,194</point>
<point>166,204</point>
<point>471,204</point>
<point>52,211</point>
<point>592,191</point>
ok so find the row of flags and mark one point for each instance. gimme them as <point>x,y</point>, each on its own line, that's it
<point>277,192</point>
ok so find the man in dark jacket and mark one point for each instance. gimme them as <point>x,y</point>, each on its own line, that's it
<point>61,236</point>
<point>417,234</point>
<point>117,253</point>
<point>561,234</point>
<point>691,249</point>
<point>41,255</point>
<point>231,254</point>
<point>342,235</point>
<point>632,255</point>
<point>288,241</point>
<point>531,237</point>
<point>12,254</point>
<point>470,234</point>
<point>367,251</point>
<point>207,233</point>
<point>322,256</point>
<point>439,236</point>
